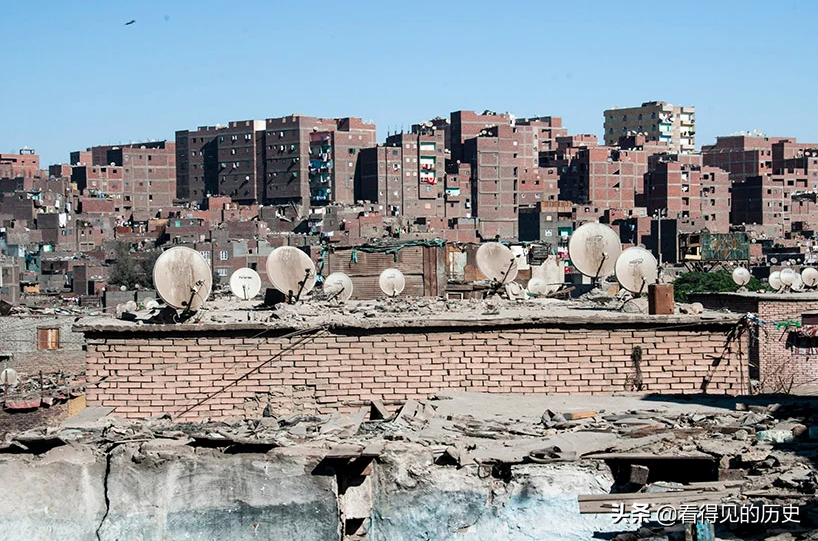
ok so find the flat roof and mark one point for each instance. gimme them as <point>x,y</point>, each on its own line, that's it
<point>765,296</point>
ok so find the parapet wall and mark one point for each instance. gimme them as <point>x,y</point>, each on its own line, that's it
<point>148,370</point>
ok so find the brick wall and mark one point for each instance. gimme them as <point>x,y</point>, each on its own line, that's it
<point>346,368</point>
<point>780,369</point>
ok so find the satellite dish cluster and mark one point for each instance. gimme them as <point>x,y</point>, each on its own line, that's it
<point>184,279</point>
<point>788,279</point>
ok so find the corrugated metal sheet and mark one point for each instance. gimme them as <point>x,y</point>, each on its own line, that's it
<point>410,261</point>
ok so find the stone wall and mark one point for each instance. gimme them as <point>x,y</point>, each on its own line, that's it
<point>149,370</point>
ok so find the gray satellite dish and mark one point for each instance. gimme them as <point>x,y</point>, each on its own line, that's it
<point>291,271</point>
<point>497,262</point>
<point>183,278</point>
<point>9,377</point>
<point>538,286</point>
<point>810,277</point>
<point>392,282</point>
<point>741,276</point>
<point>245,283</point>
<point>594,249</point>
<point>787,276</point>
<point>338,286</point>
<point>636,269</point>
<point>775,281</point>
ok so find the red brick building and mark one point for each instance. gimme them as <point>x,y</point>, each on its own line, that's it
<point>698,196</point>
<point>139,178</point>
<point>25,164</point>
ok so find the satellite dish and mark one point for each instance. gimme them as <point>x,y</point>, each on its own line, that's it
<point>515,291</point>
<point>636,268</point>
<point>183,278</point>
<point>810,277</point>
<point>797,283</point>
<point>497,262</point>
<point>741,276</point>
<point>775,281</point>
<point>594,249</point>
<point>291,271</point>
<point>538,286</point>
<point>787,276</point>
<point>392,282</point>
<point>9,377</point>
<point>245,283</point>
<point>338,286</point>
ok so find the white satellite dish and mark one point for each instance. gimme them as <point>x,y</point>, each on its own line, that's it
<point>183,278</point>
<point>245,283</point>
<point>741,276</point>
<point>636,269</point>
<point>497,262</point>
<point>594,249</point>
<point>810,277</point>
<point>787,276</point>
<point>797,283</point>
<point>775,281</point>
<point>538,286</point>
<point>392,282</point>
<point>291,271</point>
<point>338,286</point>
<point>9,377</point>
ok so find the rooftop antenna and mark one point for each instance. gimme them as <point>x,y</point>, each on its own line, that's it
<point>392,282</point>
<point>338,287</point>
<point>291,271</point>
<point>636,269</point>
<point>594,249</point>
<point>741,277</point>
<point>183,280</point>
<point>245,283</point>
<point>497,263</point>
<point>775,281</point>
<point>810,277</point>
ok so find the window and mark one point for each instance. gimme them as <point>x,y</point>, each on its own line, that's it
<point>223,255</point>
<point>205,255</point>
<point>48,338</point>
<point>221,272</point>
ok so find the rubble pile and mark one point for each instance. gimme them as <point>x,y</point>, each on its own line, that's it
<point>747,453</point>
<point>43,390</point>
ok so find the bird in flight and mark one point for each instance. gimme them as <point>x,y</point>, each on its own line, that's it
<point>130,22</point>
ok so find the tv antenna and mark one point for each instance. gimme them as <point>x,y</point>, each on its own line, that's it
<point>338,287</point>
<point>245,283</point>
<point>392,282</point>
<point>183,279</point>
<point>636,269</point>
<point>594,249</point>
<point>291,271</point>
<point>497,263</point>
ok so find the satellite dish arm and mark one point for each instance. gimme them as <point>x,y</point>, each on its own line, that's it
<point>301,285</point>
<point>336,294</point>
<point>193,292</point>
<point>508,270</point>
<point>599,269</point>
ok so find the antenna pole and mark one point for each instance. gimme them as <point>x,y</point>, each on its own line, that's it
<point>193,291</point>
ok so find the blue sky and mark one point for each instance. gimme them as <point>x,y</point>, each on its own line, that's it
<point>76,76</point>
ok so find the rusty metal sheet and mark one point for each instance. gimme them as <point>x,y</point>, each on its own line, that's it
<point>410,261</point>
